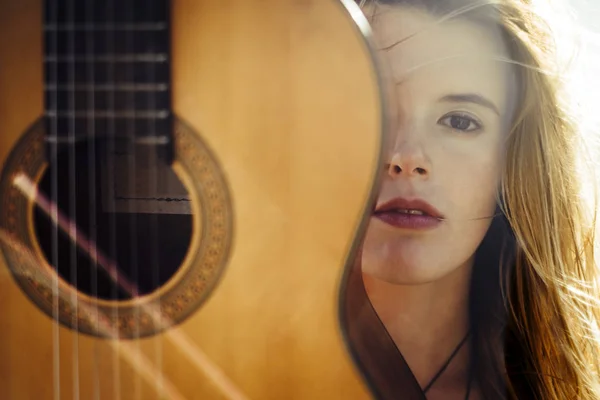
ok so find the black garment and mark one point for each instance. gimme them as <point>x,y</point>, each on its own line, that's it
<point>386,371</point>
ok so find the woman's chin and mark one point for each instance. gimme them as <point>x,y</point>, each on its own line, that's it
<point>420,258</point>
<point>406,274</point>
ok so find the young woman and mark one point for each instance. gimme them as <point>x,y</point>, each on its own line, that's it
<point>478,265</point>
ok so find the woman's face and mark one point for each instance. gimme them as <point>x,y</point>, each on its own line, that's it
<point>454,100</point>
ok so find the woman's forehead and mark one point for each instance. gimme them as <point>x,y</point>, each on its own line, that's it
<point>398,22</point>
<point>456,55</point>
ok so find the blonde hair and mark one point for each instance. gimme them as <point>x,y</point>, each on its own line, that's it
<point>546,310</point>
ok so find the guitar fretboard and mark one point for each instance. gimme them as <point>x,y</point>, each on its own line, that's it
<point>107,70</point>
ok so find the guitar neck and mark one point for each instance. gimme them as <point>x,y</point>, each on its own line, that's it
<point>107,71</point>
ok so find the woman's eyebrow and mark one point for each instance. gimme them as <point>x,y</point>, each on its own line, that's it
<point>470,98</point>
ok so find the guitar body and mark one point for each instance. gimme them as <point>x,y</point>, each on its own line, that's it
<point>278,129</point>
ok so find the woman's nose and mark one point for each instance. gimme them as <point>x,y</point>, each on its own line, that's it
<point>408,161</point>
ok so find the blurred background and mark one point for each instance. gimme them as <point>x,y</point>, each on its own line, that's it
<point>577,23</point>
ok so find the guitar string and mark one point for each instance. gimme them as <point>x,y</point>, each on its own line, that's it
<point>152,171</point>
<point>93,206</point>
<point>72,203</point>
<point>52,9</point>
<point>131,178</point>
<point>110,197</point>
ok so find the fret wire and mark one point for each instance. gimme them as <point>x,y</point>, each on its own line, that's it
<point>158,26</point>
<point>65,139</point>
<point>142,87</point>
<point>149,57</point>
<point>134,114</point>
<point>152,140</point>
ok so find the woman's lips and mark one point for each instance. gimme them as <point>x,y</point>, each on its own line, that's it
<point>408,221</point>
<point>414,214</point>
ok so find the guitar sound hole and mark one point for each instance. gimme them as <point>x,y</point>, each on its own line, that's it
<point>147,247</point>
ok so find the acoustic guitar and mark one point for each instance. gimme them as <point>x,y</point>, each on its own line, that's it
<point>184,188</point>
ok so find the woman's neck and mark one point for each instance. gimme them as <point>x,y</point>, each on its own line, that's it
<point>427,322</point>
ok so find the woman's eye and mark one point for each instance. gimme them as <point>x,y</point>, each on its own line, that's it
<point>462,123</point>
